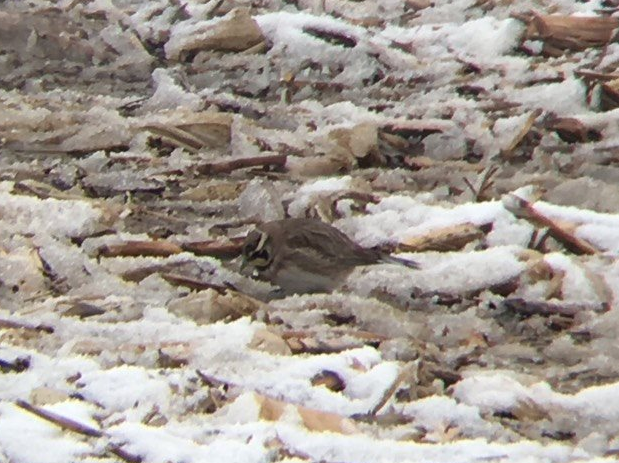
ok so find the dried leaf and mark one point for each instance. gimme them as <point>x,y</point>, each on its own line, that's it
<point>313,420</point>
<point>236,31</point>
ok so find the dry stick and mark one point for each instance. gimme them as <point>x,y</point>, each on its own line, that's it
<point>198,285</point>
<point>63,422</point>
<point>547,309</point>
<point>276,160</point>
<point>596,75</point>
<point>136,208</point>
<point>484,182</point>
<point>389,393</point>
<point>4,323</point>
<point>227,249</point>
<point>522,208</point>
<point>138,274</point>
<point>140,248</point>
<point>359,334</point>
<point>79,428</point>
<point>162,248</point>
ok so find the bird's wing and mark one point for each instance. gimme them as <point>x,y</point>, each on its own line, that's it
<point>328,243</point>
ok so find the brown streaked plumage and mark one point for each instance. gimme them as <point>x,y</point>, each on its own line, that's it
<point>307,255</point>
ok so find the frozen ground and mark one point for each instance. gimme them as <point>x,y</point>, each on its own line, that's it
<point>446,131</point>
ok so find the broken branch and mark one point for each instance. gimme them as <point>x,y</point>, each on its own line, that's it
<point>547,309</point>
<point>63,422</point>
<point>224,167</point>
<point>523,209</point>
<point>79,428</point>
<point>198,285</point>
<point>140,248</point>
<point>4,323</point>
<point>227,249</point>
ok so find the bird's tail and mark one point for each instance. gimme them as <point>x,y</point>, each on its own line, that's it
<point>388,259</point>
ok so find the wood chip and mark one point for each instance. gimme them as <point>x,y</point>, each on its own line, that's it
<point>452,238</point>
<point>561,33</point>
<point>329,379</point>
<point>609,95</point>
<point>212,305</point>
<point>235,32</point>
<point>407,128</point>
<point>196,131</point>
<point>359,140</point>
<point>508,151</point>
<point>572,130</point>
<point>266,341</point>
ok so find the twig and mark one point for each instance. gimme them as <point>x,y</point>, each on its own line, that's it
<point>523,209</point>
<point>138,274</point>
<point>25,326</point>
<point>368,336</point>
<point>210,14</point>
<point>605,76</point>
<point>547,309</point>
<point>484,182</point>
<point>136,208</point>
<point>177,136</point>
<point>227,249</point>
<point>211,381</point>
<point>123,454</point>
<point>331,36</point>
<point>63,422</point>
<point>274,160</point>
<point>198,285</point>
<point>140,248</point>
<point>389,393</point>
<point>79,428</point>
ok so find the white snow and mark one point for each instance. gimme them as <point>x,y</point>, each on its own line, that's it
<point>116,372</point>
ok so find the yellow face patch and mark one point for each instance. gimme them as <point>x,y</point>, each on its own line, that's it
<point>260,262</point>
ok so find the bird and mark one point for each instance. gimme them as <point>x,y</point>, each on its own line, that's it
<point>303,256</point>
